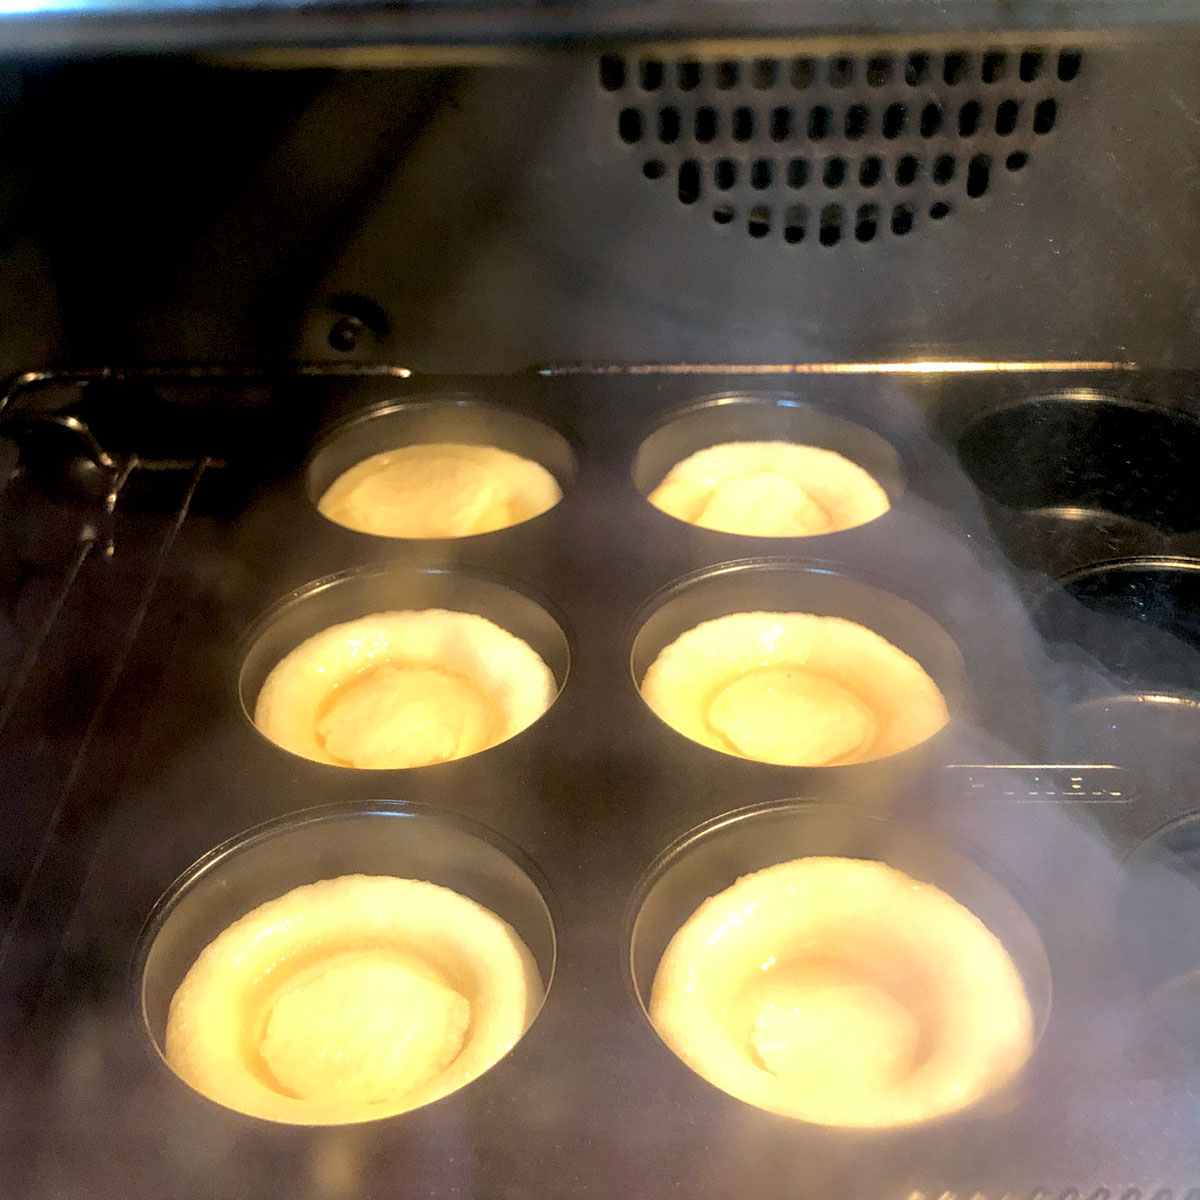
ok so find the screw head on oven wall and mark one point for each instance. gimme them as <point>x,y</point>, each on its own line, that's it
<point>346,333</point>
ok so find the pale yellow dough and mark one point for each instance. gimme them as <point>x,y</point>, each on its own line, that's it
<point>403,689</point>
<point>351,999</point>
<point>770,489</point>
<point>842,992</point>
<point>794,689</point>
<point>439,490</point>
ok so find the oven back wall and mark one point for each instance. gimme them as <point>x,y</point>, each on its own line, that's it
<point>787,202</point>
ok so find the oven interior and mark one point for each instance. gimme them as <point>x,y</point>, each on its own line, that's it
<point>974,254</point>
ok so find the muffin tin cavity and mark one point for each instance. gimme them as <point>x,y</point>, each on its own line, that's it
<point>372,838</point>
<point>1159,925</point>
<point>447,419</point>
<point>766,418</point>
<point>1126,634</point>
<point>1077,476</point>
<point>505,687</point>
<point>781,586</point>
<point>1139,618</point>
<point>714,856</point>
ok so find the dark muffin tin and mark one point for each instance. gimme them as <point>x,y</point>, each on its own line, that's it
<point>590,1102</point>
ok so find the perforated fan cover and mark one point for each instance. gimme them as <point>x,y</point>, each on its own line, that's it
<point>841,149</point>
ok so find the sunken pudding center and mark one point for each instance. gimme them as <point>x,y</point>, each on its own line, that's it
<point>410,688</point>
<point>813,1020</point>
<point>407,1026</point>
<point>794,689</point>
<point>783,713</point>
<point>439,490</point>
<point>398,714</point>
<point>770,489</point>
<point>766,503</point>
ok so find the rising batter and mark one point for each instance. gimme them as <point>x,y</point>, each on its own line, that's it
<point>794,689</point>
<point>842,992</point>
<point>403,689</point>
<point>350,999</point>
<point>770,489</point>
<point>439,490</point>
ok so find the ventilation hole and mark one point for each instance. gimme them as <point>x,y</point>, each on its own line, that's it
<point>969,117</point>
<point>629,125</point>
<point>766,72</point>
<point>1006,117</point>
<point>689,181</point>
<point>723,214</point>
<point>803,73</point>
<point>906,170</point>
<point>651,71</point>
<point>841,72</point>
<point>727,75</point>
<point>706,124</point>
<point>943,169</point>
<point>1069,62</point>
<point>831,225</point>
<point>955,67</point>
<point>1030,66</point>
<point>879,71</point>
<point>725,172</point>
<point>895,117</point>
<point>858,120</point>
<point>795,224</point>
<point>1044,116</point>
<point>834,174</point>
<point>797,172</point>
<point>870,170</point>
<point>669,125</point>
<point>743,124</point>
<point>761,174</point>
<point>612,72</point>
<point>994,64</point>
<point>654,168</point>
<point>759,223</point>
<point>1016,160</point>
<point>978,171</point>
<point>939,210</point>
<point>819,121</point>
<point>866,223</point>
<point>916,69</point>
<point>687,76</point>
<point>902,219</point>
<point>781,124</point>
<point>933,117</point>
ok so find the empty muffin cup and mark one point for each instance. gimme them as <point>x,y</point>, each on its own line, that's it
<point>1077,476</point>
<point>767,466</point>
<point>1127,635</point>
<point>795,665</point>
<point>345,963</point>
<point>1159,925</point>
<point>401,667</point>
<point>838,967</point>
<point>444,467</point>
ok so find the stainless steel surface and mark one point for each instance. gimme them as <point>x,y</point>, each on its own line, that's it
<point>58,26</point>
<point>492,218</point>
